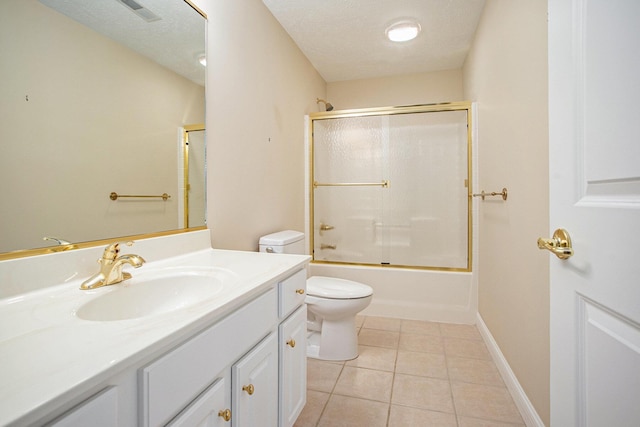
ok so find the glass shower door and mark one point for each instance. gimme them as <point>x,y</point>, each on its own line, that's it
<point>392,189</point>
<point>426,214</point>
<point>348,177</point>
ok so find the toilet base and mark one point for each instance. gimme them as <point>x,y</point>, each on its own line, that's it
<point>336,342</point>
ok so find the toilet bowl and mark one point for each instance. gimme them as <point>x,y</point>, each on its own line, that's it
<point>332,304</point>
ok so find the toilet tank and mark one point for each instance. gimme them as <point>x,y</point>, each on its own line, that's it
<point>283,242</point>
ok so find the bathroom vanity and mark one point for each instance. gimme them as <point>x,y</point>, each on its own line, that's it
<point>230,351</point>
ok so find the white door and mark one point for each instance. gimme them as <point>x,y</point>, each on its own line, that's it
<point>594,118</point>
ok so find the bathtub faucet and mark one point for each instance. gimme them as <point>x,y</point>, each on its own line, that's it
<point>111,267</point>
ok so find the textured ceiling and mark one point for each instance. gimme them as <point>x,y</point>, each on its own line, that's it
<point>345,39</point>
<point>175,41</point>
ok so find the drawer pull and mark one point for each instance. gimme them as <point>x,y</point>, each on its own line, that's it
<point>300,291</point>
<point>249,389</point>
<point>225,414</point>
<point>291,343</point>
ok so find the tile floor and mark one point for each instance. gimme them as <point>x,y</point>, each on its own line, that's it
<point>409,374</point>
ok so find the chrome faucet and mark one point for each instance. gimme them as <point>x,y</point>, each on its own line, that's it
<point>111,267</point>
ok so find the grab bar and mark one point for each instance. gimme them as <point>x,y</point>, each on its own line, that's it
<point>384,184</point>
<point>115,196</point>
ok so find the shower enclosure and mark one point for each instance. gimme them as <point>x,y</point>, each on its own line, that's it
<point>390,186</point>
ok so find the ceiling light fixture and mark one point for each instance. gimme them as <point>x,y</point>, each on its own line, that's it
<point>403,31</point>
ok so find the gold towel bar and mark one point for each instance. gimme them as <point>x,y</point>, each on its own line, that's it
<point>503,193</point>
<point>114,196</point>
<point>384,184</point>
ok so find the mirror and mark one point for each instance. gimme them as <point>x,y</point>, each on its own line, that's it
<point>95,99</point>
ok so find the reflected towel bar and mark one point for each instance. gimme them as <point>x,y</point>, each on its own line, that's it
<point>483,194</point>
<point>384,184</point>
<point>115,196</point>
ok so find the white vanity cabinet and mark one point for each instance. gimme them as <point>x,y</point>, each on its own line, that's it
<point>247,370</point>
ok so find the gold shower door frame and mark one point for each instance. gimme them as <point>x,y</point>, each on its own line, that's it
<point>185,166</point>
<point>389,111</point>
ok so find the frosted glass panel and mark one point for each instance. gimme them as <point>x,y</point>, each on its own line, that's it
<point>421,218</point>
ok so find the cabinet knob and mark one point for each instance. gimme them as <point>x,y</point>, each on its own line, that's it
<point>300,291</point>
<point>249,389</point>
<point>291,342</point>
<point>225,414</point>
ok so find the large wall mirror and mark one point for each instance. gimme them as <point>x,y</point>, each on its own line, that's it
<point>95,97</point>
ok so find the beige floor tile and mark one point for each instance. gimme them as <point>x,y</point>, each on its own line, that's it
<point>415,372</point>
<point>322,376</point>
<point>382,323</point>
<point>365,383</point>
<point>475,371</point>
<point>484,402</point>
<point>344,411</point>
<point>422,392</point>
<point>404,416</point>
<point>310,415</point>
<point>421,343</point>
<point>380,358</point>
<point>467,332</point>
<point>420,327</point>
<point>475,422</point>
<point>457,347</point>
<point>377,338</point>
<point>423,364</point>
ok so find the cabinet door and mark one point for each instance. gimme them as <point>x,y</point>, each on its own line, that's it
<point>211,409</point>
<point>255,386</point>
<point>293,366</point>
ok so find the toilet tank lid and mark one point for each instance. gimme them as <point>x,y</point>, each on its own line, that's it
<point>281,238</point>
<point>334,288</point>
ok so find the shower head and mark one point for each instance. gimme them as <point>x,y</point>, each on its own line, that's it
<point>327,106</point>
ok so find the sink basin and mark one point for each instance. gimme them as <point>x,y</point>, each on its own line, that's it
<point>157,292</point>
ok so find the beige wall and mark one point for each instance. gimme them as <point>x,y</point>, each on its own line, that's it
<point>424,88</point>
<point>99,118</point>
<point>507,74</point>
<point>259,88</point>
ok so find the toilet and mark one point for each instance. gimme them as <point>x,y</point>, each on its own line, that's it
<point>332,304</point>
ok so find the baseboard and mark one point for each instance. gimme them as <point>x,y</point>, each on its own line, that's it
<point>527,411</point>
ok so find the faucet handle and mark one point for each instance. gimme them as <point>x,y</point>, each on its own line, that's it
<point>112,250</point>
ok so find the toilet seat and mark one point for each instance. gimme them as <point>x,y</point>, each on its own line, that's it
<point>333,288</point>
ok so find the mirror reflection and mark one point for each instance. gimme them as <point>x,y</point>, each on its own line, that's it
<point>96,97</point>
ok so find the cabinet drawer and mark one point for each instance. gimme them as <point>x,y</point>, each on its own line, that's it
<point>100,410</point>
<point>171,382</point>
<point>292,293</point>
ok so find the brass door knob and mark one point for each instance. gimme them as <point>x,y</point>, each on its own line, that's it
<point>249,389</point>
<point>291,343</point>
<point>559,244</point>
<point>300,291</point>
<point>225,414</point>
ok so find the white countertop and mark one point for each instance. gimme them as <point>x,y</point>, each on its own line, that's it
<point>48,354</point>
